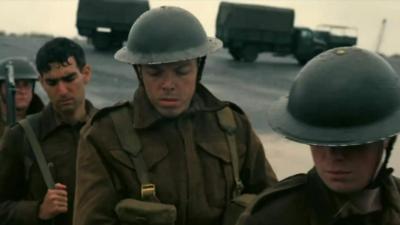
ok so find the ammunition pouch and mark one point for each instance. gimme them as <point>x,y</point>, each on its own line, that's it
<point>236,207</point>
<point>136,212</point>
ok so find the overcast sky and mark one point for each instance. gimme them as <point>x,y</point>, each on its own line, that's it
<point>58,17</point>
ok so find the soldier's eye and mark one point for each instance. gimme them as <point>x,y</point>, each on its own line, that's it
<point>69,78</point>
<point>183,70</point>
<point>24,83</point>
<point>152,72</point>
<point>52,82</point>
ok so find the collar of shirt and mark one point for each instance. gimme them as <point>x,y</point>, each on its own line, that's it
<point>329,206</point>
<point>362,203</point>
<point>51,121</point>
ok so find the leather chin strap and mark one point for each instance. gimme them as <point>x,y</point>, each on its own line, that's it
<point>200,63</point>
<point>383,171</point>
<point>138,71</point>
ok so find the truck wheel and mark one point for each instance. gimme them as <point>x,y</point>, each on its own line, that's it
<point>101,41</point>
<point>235,54</point>
<point>249,54</point>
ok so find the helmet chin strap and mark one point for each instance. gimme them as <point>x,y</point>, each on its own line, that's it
<point>380,165</point>
<point>382,171</point>
<point>138,71</point>
<point>201,61</point>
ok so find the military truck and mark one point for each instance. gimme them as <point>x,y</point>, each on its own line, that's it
<point>106,23</point>
<point>247,30</point>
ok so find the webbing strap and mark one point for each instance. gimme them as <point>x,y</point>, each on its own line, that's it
<point>130,142</point>
<point>228,124</point>
<point>37,150</point>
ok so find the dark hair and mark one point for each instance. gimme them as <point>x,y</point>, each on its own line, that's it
<point>58,50</point>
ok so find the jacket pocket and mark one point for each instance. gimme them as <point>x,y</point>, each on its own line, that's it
<point>215,156</point>
<point>216,166</point>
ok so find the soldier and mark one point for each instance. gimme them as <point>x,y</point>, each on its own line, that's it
<point>26,101</point>
<point>24,197</point>
<point>168,156</point>
<point>345,104</point>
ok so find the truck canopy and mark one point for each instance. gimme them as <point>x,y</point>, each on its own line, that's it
<point>233,15</point>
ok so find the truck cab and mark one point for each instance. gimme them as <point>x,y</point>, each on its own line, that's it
<point>336,36</point>
<point>306,45</point>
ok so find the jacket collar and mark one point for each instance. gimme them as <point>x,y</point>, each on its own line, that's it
<point>145,115</point>
<point>330,205</point>
<point>50,120</point>
<point>323,206</point>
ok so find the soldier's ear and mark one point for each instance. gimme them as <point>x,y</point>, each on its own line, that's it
<point>87,73</point>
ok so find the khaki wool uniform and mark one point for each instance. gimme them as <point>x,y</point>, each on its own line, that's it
<point>188,160</point>
<point>22,187</point>
<point>305,200</point>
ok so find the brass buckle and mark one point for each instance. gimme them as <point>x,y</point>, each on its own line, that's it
<point>148,191</point>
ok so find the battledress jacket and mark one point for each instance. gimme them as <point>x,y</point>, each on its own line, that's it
<point>35,107</point>
<point>22,187</point>
<point>187,158</point>
<point>305,200</point>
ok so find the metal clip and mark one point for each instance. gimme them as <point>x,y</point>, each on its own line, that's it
<point>148,191</point>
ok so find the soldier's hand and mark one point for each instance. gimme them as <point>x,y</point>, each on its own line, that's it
<point>54,203</point>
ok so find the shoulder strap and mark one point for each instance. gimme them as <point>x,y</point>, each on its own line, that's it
<point>227,122</point>
<point>37,150</point>
<point>130,142</point>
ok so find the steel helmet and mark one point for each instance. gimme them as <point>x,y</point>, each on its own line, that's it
<point>23,69</point>
<point>344,96</point>
<point>166,34</point>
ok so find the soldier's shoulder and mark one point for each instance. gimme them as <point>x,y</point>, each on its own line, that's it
<point>282,204</point>
<point>106,111</point>
<point>396,180</point>
<point>234,107</point>
<point>284,191</point>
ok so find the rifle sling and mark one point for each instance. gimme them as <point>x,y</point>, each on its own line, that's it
<point>37,151</point>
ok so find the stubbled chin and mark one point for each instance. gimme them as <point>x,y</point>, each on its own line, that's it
<point>65,108</point>
<point>169,113</point>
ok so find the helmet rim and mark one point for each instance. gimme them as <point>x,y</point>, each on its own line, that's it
<point>287,125</point>
<point>127,56</point>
